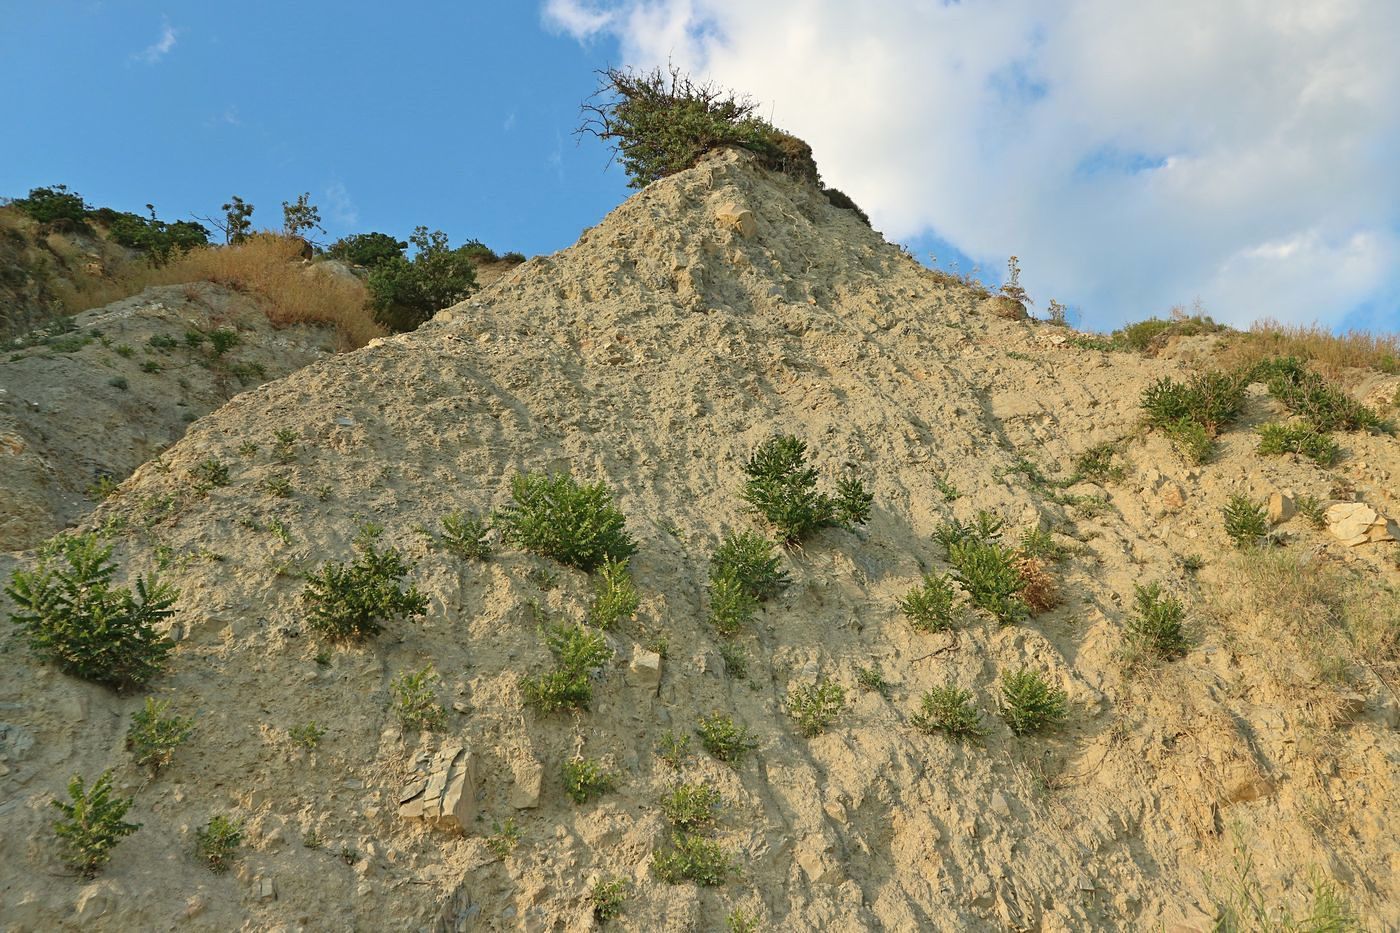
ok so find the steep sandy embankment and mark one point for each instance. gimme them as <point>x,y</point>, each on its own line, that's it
<point>655,354</point>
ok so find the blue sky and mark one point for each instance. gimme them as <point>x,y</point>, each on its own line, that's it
<point>454,115</point>
<point>1134,157</point>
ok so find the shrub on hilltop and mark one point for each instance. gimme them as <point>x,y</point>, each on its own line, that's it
<point>406,292</point>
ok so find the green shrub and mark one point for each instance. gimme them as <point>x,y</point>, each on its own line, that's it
<point>673,749</point>
<point>948,710</point>
<point>308,735</point>
<point>153,736</point>
<point>692,807</point>
<point>464,536</point>
<point>160,240</point>
<point>1190,439</point>
<point>284,449</point>
<point>693,858</point>
<point>300,216</point>
<point>782,487</point>
<point>1098,464</point>
<point>753,562</point>
<point>415,699</point>
<point>987,526</point>
<point>578,650</point>
<point>815,706</point>
<point>1152,334</point>
<point>1302,439</point>
<point>353,601</point>
<point>1029,703</point>
<point>504,838</point>
<point>1305,393</point>
<point>367,249</point>
<point>871,680</point>
<point>1314,510</point>
<point>73,617</point>
<point>929,606</point>
<point>1212,400</point>
<point>662,122</point>
<point>740,920</point>
<point>92,824</point>
<point>1156,627</point>
<point>222,340</point>
<point>1246,522</point>
<point>586,778</point>
<point>607,896</point>
<point>736,659</point>
<point>216,841</point>
<point>47,205</point>
<point>406,292</point>
<point>556,517</point>
<point>724,739</point>
<point>988,572</point>
<point>211,472</point>
<point>731,606</point>
<point>615,597</point>
<point>842,200</point>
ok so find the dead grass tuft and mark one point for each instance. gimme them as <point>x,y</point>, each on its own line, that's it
<point>270,268</point>
<point>1329,354</point>
<point>1038,589</point>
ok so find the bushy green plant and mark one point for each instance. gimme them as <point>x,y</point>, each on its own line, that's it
<point>153,735</point>
<point>1156,627</point>
<point>73,617</point>
<point>308,735</point>
<point>504,838</point>
<point>753,562</point>
<point>406,292</point>
<point>216,842</point>
<point>693,858</point>
<point>1099,464</point>
<point>948,710</point>
<point>782,487</point>
<point>986,526</point>
<point>662,122</point>
<point>464,536</point>
<point>577,650</point>
<point>211,472</point>
<point>415,699</point>
<point>673,749</point>
<point>300,216</point>
<point>586,778</point>
<point>607,896</point>
<point>160,240</point>
<point>988,572</point>
<point>1190,439</point>
<point>367,249</point>
<point>1029,703</point>
<point>740,920</point>
<point>353,601</point>
<point>929,606</point>
<point>736,659</point>
<point>557,517</point>
<point>1246,522</point>
<point>815,706</point>
<point>731,606</point>
<point>842,200</point>
<point>1327,407</point>
<point>56,203</point>
<point>222,340</point>
<point>1210,399</point>
<point>1302,439</point>
<point>871,680</point>
<point>92,823</point>
<point>615,596</point>
<point>692,807</point>
<point>1314,510</point>
<point>725,739</point>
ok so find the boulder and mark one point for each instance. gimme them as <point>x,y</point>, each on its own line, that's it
<point>737,219</point>
<point>529,775</point>
<point>1005,307</point>
<point>1281,506</point>
<point>644,671</point>
<point>445,796</point>
<point>1356,523</point>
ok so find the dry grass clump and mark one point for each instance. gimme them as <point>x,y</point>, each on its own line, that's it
<point>1330,354</point>
<point>1308,621</point>
<point>267,266</point>
<point>1038,589</point>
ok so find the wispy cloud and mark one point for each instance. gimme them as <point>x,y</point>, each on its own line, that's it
<point>339,205</point>
<point>1133,155</point>
<point>157,50</point>
<point>509,123</point>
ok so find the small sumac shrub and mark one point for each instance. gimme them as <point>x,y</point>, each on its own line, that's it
<point>929,606</point>
<point>1246,522</point>
<point>1029,703</point>
<point>353,601</point>
<point>153,735</point>
<point>586,778</point>
<point>216,841</point>
<point>557,517</point>
<point>731,606</point>
<point>723,738</point>
<point>988,572</point>
<point>1191,414</point>
<point>815,706</point>
<point>1302,439</point>
<point>692,807</point>
<point>1156,627</point>
<point>73,617</point>
<point>464,536</point>
<point>782,488</point>
<point>615,597</point>
<point>577,650</point>
<point>949,710</point>
<point>406,292</point>
<point>607,896</point>
<point>415,699</point>
<point>1324,405</point>
<point>753,562</point>
<point>693,858</point>
<point>91,824</point>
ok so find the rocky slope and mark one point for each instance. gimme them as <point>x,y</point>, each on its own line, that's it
<point>656,354</point>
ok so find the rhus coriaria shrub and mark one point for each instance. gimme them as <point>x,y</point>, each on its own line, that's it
<point>571,522</point>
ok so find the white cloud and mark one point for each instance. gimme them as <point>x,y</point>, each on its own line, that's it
<point>157,50</point>
<point>1133,155</point>
<point>340,207</point>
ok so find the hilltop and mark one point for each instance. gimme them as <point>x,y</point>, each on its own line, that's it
<point>717,308</point>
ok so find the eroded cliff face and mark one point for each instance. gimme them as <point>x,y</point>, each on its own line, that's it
<point>715,309</point>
